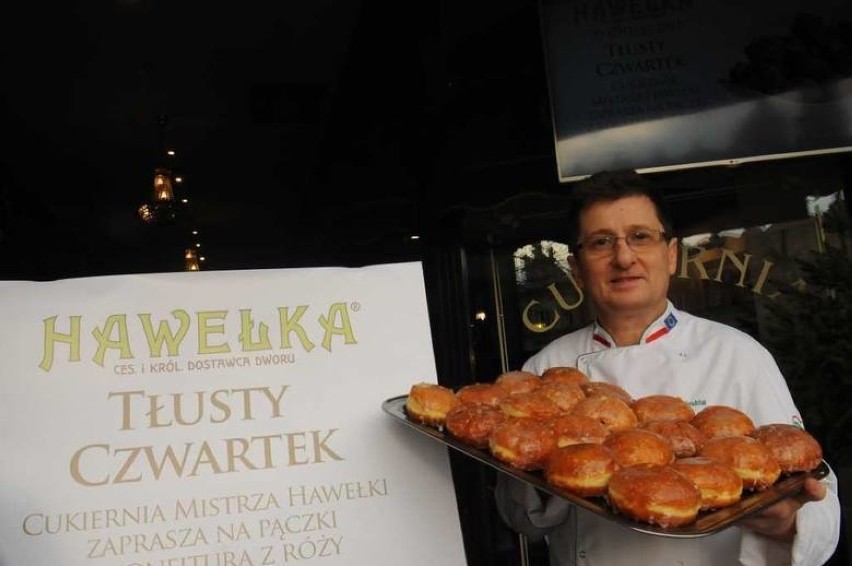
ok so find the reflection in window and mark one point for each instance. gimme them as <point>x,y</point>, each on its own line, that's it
<point>818,205</point>
<point>545,257</point>
<point>550,301</point>
<point>827,208</point>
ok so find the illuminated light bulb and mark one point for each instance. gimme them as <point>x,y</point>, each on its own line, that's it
<point>145,213</point>
<point>190,260</point>
<point>163,184</point>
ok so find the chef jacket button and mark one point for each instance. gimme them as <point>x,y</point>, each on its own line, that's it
<point>582,554</point>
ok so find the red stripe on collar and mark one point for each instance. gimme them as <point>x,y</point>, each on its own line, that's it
<point>669,322</point>
<point>654,335</point>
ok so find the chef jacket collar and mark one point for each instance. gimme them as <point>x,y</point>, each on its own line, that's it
<point>655,330</point>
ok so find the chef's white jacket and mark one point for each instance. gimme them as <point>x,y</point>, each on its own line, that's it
<point>705,363</point>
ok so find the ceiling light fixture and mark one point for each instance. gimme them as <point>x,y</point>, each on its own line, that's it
<point>190,260</point>
<point>163,189</point>
<point>161,208</point>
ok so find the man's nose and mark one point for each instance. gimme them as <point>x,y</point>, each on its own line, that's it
<point>622,254</point>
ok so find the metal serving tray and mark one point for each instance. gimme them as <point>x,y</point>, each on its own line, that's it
<point>708,522</point>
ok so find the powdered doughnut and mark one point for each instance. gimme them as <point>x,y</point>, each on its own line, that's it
<point>429,403</point>
<point>473,423</point>
<point>578,429</point>
<point>529,404</point>
<point>662,408</point>
<point>612,413</point>
<point>483,393</point>
<point>582,469</point>
<point>794,448</point>
<point>719,484</point>
<point>637,446</point>
<point>686,440</point>
<point>749,458</point>
<point>605,389</point>
<point>522,442</point>
<point>720,420</point>
<point>518,381</point>
<point>658,495</point>
<point>564,395</point>
<point>564,374</point>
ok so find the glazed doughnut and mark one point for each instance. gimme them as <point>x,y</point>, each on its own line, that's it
<point>429,403</point>
<point>794,448</point>
<point>564,374</point>
<point>750,459</point>
<point>529,404</point>
<point>473,423</point>
<point>581,469</point>
<point>658,495</point>
<point>662,408</point>
<point>686,440</point>
<point>605,389</point>
<point>721,420</point>
<point>483,393</point>
<point>720,486</point>
<point>636,446</point>
<point>564,395</point>
<point>523,443</point>
<point>578,429</point>
<point>518,381</point>
<point>612,413</point>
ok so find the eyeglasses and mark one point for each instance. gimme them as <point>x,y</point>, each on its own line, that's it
<point>601,245</point>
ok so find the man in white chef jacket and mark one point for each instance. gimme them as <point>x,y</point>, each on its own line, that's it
<point>623,261</point>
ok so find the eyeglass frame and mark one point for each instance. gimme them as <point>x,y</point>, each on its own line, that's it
<point>610,249</point>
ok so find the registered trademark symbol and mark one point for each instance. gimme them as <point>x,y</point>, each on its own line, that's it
<point>355,306</point>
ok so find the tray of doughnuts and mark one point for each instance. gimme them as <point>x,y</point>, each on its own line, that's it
<point>652,464</point>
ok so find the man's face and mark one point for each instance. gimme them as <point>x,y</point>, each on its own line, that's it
<point>625,282</point>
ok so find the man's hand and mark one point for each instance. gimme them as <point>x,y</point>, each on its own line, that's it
<point>779,520</point>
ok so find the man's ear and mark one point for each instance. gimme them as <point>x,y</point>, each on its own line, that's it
<point>673,250</point>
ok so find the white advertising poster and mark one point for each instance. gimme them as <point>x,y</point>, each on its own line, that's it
<point>219,418</point>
